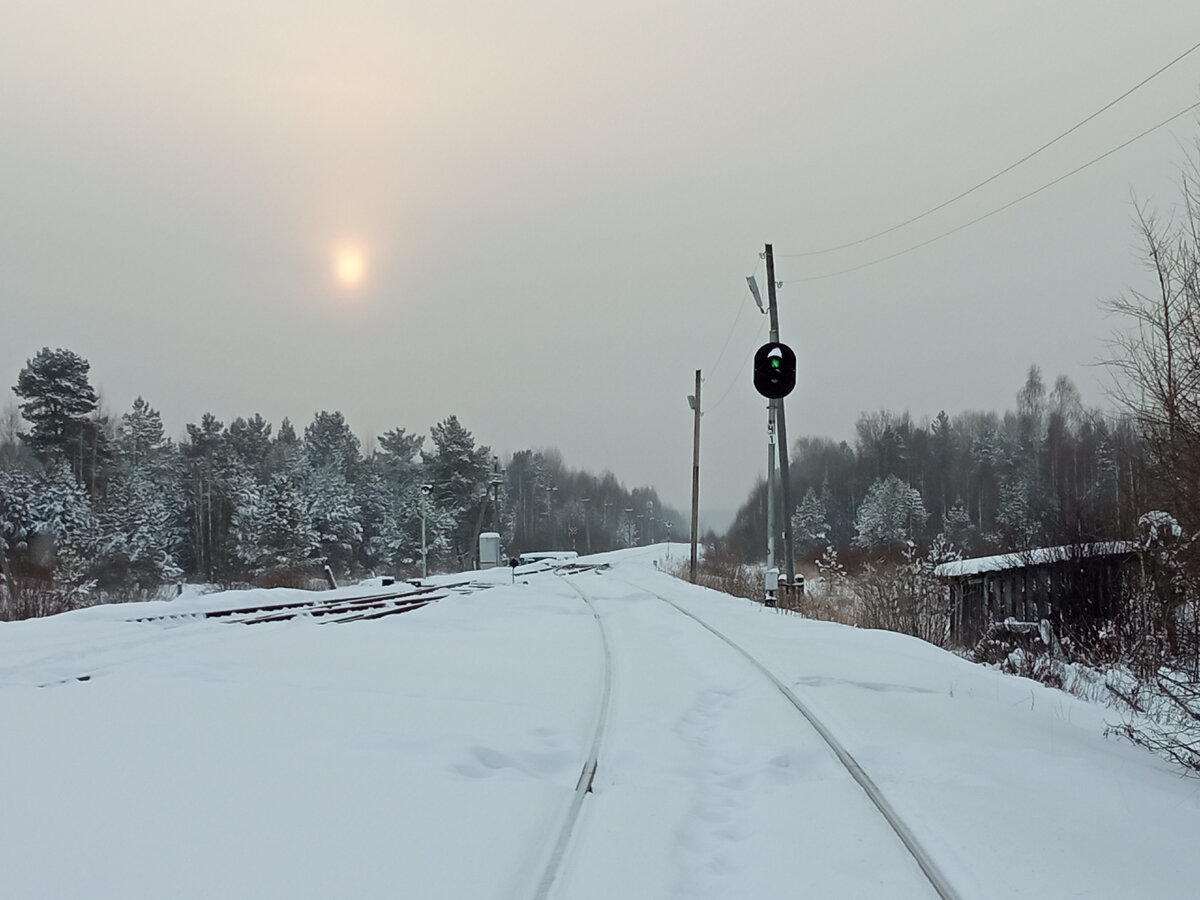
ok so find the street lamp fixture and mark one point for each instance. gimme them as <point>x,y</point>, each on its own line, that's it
<point>754,290</point>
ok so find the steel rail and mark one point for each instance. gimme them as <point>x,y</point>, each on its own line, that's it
<point>390,610</point>
<point>588,773</point>
<point>335,610</point>
<point>341,610</point>
<point>937,878</point>
<point>314,602</point>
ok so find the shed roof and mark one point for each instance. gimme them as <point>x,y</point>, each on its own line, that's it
<point>1037,557</point>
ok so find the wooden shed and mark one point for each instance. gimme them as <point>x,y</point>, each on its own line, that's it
<point>1075,586</point>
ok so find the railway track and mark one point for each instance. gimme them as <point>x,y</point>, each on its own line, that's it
<point>337,609</point>
<point>941,885</point>
<point>937,879</point>
<point>324,610</point>
<point>587,774</point>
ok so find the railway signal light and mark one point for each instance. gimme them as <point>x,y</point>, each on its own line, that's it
<point>774,370</point>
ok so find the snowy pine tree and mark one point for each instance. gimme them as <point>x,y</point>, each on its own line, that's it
<point>810,526</point>
<point>334,518</point>
<point>288,531</point>
<point>250,442</point>
<point>329,443</point>
<point>58,401</point>
<point>400,466</point>
<point>142,533</point>
<point>248,522</point>
<point>383,538</point>
<point>891,513</point>
<point>271,524</point>
<point>1016,522</point>
<point>141,442</point>
<point>285,451</point>
<point>458,471</point>
<point>57,532</point>
<point>18,498</point>
<point>143,514</point>
<point>959,530</point>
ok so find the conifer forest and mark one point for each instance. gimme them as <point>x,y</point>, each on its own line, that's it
<point>96,503</point>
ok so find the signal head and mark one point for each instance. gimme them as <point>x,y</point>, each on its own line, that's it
<point>774,370</point>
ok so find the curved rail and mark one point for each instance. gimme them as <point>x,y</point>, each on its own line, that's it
<point>937,878</point>
<point>584,786</point>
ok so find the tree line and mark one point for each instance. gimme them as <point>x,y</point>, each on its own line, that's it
<point>1047,472</point>
<point>88,501</point>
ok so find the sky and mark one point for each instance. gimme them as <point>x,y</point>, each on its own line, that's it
<point>540,216</point>
<point>193,757</point>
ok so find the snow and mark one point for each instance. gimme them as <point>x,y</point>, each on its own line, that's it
<point>432,754</point>
<point>1035,557</point>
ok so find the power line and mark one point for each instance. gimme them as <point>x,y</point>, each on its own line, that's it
<point>1003,171</point>
<point>732,328</point>
<point>738,377</point>
<point>729,337</point>
<point>998,209</point>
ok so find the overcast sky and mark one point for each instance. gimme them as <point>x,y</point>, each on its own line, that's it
<point>545,211</point>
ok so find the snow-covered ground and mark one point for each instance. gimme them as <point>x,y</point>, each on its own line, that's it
<point>433,755</point>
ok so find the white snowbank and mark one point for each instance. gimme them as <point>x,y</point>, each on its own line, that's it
<point>429,755</point>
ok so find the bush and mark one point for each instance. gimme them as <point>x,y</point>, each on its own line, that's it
<point>906,598</point>
<point>31,599</point>
<point>718,567</point>
<point>1163,715</point>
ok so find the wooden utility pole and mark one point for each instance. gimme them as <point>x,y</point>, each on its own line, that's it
<point>789,552</point>
<point>695,476</point>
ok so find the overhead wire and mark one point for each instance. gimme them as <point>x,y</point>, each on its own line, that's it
<point>733,327</point>
<point>997,210</point>
<point>738,377</point>
<point>728,338</point>
<point>1003,171</point>
<point>954,199</point>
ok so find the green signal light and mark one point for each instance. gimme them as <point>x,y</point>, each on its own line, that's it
<point>774,370</point>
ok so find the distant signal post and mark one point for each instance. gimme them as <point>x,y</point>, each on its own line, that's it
<point>774,378</point>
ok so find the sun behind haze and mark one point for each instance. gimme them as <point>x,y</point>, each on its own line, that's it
<point>349,266</point>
